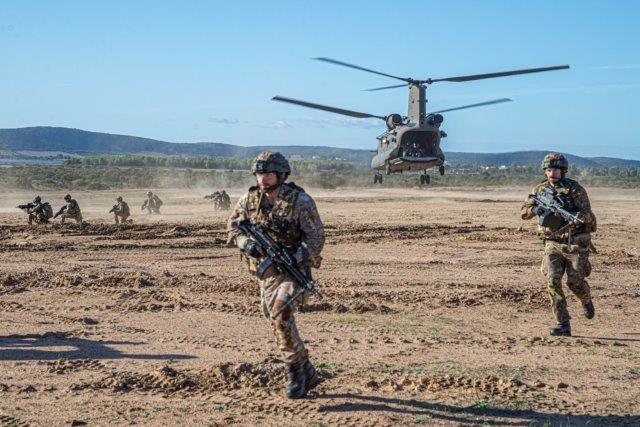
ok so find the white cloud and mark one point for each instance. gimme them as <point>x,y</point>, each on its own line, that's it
<point>347,122</point>
<point>223,120</point>
<point>281,124</point>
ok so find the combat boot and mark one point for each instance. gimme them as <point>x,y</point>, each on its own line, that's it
<point>561,330</point>
<point>589,310</point>
<point>296,381</point>
<point>311,375</point>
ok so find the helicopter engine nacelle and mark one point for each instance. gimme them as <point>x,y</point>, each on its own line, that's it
<point>435,119</point>
<point>393,120</point>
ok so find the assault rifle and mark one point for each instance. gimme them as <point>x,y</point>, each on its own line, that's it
<point>278,256</point>
<point>26,207</point>
<point>114,208</point>
<point>552,214</point>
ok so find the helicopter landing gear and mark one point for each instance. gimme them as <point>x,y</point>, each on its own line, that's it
<point>387,168</point>
<point>441,170</point>
<point>377,178</point>
<point>425,179</point>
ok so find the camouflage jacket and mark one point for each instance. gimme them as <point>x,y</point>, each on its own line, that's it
<point>152,202</point>
<point>121,208</point>
<point>293,220</point>
<point>71,208</point>
<point>575,200</point>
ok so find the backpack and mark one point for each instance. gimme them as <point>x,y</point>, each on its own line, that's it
<point>48,210</point>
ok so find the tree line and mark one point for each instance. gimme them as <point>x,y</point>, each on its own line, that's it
<point>202,162</point>
<point>108,177</point>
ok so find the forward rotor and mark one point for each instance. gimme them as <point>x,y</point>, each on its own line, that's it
<point>456,79</point>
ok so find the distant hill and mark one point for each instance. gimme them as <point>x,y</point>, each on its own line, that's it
<point>43,141</point>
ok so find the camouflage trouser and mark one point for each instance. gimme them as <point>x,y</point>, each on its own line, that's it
<point>153,210</point>
<point>73,215</point>
<point>574,259</point>
<point>39,218</point>
<point>275,291</point>
<point>121,218</point>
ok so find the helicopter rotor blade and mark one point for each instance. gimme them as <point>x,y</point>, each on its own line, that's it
<point>495,101</point>
<point>342,111</point>
<point>499,74</point>
<point>357,67</point>
<point>384,87</point>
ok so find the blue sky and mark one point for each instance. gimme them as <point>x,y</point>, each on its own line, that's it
<point>205,71</point>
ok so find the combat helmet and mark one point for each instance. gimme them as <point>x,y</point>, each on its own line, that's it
<point>269,161</point>
<point>555,160</point>
<point>119,199</point>
<point>67,197</point>
<point>37,199</point>
<point>149,193</point>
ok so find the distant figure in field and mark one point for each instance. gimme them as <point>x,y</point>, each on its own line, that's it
<point>70,210</point>
<point>221,200</point>
<point>121,211</point>
<point>40,212</point>
<point>152,203</point>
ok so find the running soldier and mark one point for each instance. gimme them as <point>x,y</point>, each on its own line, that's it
<point>291,218</point>
<point>569,251</point>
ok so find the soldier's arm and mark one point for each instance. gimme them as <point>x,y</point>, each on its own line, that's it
<point>581,200</point>
<point>312,228</point>
<point>526,211</point>
<point>235,237</point>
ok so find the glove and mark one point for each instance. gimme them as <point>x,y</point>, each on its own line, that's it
<point>538,210</point>
<point>252,249</point>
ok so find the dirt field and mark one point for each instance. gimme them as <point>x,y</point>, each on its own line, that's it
<point>435,312</point>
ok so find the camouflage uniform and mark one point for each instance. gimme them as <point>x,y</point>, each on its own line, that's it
<point>70,210</point>
<point>560,255</point>
<point>121,211</point>
<point>38,211</point>
<point>293,221</point>
<point>152,204</point>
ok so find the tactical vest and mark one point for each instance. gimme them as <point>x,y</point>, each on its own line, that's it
<point>565,194</point>
<point>278,219</point>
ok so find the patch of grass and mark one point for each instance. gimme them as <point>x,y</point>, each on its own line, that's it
<point>446,321</point>
<point>351,320</point>
<point>518,404</point>
<point>410,370</point>
<point>329,366</point>
<point>422,420</point>
<point>482,403</point>
<point>511,372</point>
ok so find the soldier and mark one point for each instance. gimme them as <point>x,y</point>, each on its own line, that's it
<point>121,211</point>
<point>291,218</point>
<point>152,204</point>
<point>568,252</point>
<point>70,210</point>
<point>38,211</point>
<point>225,200</point>
<point>216,200</point>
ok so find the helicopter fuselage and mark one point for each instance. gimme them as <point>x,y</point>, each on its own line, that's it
<point>408,147</point>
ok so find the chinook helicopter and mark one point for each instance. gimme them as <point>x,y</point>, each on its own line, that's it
<point>411,142</point>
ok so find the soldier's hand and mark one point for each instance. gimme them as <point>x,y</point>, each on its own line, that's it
<point>252,249</point>
<point>538,210</point>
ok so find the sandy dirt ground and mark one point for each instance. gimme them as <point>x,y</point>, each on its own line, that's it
<point>435,312</point>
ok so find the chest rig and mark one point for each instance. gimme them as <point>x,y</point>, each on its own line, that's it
<point>278,218</point>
